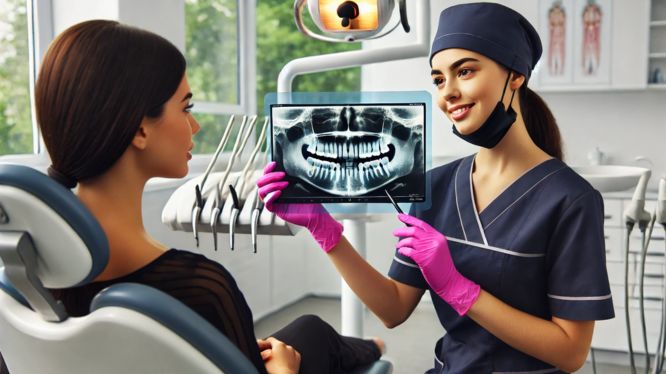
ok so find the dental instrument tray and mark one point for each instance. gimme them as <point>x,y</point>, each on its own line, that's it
<point>341,153</point>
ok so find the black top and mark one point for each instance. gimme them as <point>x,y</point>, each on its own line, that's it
<point>203,285</point>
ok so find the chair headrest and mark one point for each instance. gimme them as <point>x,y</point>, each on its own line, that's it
<point>71,246</point>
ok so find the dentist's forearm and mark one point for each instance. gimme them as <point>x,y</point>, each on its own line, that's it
<point>376,291</point>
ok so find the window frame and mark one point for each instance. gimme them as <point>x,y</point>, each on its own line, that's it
<point>40,34</point>
<point>247,45</point>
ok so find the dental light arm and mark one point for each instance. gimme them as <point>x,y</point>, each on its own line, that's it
<point>332,61</point>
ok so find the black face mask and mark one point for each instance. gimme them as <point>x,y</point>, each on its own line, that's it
<point>496,125</point>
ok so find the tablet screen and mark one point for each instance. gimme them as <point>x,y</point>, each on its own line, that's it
<point>350,152</point>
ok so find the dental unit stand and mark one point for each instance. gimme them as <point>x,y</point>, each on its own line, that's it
<point>635,213</point>
<point>355,228</point>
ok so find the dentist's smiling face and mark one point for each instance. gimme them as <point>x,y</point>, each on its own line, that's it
<point>468,86</point>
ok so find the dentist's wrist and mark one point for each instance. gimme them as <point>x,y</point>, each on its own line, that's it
<point>326,231</point>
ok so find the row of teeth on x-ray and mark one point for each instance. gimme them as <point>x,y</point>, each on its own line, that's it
<point>363,171</point>
<point>348,150</point>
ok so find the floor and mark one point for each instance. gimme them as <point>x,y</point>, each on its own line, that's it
<point>409,346</point>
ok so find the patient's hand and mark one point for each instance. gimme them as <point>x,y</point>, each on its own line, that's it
<point>278,357</point>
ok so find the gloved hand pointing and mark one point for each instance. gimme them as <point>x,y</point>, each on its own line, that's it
<point>430,250</point>
<point>314,217</point>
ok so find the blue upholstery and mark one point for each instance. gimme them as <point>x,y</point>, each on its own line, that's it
<point>64,203</point>
<point>180,319</point>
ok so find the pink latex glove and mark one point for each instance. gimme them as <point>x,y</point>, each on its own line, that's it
<point>314,217</point>
<point>430,250</point>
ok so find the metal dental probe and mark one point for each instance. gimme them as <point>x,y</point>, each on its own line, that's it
<point>215,213</point>
<point>198,189</point>
<point>395,205</point>
<point>234,216</point>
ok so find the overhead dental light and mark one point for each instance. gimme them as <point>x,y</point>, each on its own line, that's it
<point>350,21</point>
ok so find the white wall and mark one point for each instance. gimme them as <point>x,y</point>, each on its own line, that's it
<point>164,17</point>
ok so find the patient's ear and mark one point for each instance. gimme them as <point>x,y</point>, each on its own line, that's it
<point>140,140</point>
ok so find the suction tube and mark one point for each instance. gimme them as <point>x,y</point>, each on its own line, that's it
<point>660,217</point>
<point>645,242</point>
<point>634,213</point>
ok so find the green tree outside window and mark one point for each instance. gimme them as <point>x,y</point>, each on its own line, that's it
<point>212,51</point>
<point>15,117</point>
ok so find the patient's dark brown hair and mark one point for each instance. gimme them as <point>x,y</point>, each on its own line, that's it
<point>97,82</point>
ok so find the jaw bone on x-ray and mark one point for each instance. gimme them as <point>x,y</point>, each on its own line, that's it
<point>342,153</point>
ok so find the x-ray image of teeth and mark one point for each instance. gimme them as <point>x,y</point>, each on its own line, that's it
<point>342,153</point>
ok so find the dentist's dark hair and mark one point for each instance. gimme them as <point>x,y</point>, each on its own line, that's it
<point>99,79</point>
<point>540,122</point>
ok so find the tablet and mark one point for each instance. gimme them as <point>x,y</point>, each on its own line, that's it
<point>334,153</point>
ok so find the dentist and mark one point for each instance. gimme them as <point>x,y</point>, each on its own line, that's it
<point>512,248</point>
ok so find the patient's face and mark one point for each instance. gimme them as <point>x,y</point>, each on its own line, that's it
<point>170,141</point>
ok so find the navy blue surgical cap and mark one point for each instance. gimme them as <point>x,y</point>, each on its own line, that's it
<point>492,30</point>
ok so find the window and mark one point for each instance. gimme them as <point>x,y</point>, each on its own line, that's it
<point>16,131</point>
<point>279,41</point>
<point>224,73</point>
<point>216,60</point>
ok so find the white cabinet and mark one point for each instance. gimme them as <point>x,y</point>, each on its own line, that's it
<point>611,334</point>
<point>628,35</point>
<point>657,51</point>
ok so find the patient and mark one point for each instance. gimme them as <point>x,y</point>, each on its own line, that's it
<point>113,106</point>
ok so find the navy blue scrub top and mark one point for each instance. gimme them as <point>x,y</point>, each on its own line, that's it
<point>539,247</point>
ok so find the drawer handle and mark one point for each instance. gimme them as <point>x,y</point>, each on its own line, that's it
<point>647,298</point>
<point>654,275</point>
<point>655,254</point>
<point>608,216</point>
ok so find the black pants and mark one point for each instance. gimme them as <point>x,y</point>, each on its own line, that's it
<point>323,350</point>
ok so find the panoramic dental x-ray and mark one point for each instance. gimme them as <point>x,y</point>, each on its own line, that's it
<point>350,153</point>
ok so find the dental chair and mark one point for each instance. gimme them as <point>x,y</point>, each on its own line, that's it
<point>48,239</point>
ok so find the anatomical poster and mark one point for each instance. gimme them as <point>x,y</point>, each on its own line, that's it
<point>592,41</point>
<point>556,31</point>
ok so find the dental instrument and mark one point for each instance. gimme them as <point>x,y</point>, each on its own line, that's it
<point>234,214</point>
<point>234,201</point>
<point>196,211</point>
<point>241,139</point>
<point>645,240</point>
<point>215,212</point>
<point>395,205</point>
<point>634,213</point>
<point>256,211</point>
